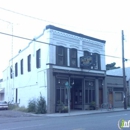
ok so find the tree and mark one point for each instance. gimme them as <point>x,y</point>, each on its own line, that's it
<point>111,66</point>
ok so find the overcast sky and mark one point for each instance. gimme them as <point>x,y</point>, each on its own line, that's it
<point>103,19</point>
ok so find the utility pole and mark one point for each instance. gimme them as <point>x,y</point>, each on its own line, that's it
<point>123,68</point>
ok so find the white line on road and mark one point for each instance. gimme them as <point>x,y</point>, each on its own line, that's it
<point>118,115</point>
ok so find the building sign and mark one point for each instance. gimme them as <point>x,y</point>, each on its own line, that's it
<point>86,61</point>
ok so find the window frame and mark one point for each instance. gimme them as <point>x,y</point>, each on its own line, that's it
<point>21,65</point>
<point>29,63</point>
<point>16,69</point>
<point>64,56</point>
<point>97,61</point>
<point>71,50</point>
<point>38,58</point>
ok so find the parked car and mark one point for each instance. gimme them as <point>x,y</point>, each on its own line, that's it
<point>3,105</point>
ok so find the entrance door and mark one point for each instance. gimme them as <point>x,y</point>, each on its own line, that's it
<point>76,94</point>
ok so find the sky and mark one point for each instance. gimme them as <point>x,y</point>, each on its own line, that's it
<point>102,19</point>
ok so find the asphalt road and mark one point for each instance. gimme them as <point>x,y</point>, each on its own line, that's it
<point>104,121</point>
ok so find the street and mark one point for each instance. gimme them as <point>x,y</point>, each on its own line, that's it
<point>103,121</point>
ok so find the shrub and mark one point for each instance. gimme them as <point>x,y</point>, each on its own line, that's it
<point>41,105</point>
<point>32,105</point>
<point>37,106</point>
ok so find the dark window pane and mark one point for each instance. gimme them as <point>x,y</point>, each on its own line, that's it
<point>93,95</point>
<point>61,57</point>
<point>86,96</point>
<point>96,59</point>
<point>16,69</point>
<point>22,66</point>
<point>11,73</point>
<point>76,97</point>
<point>73,53</point>
<point>29,62</point>
<point>73,57</point>
<point>62,95</point>
<point>57,96</point>
<point>38,58</point>
<point>90,99</point>
<point>60,51</point>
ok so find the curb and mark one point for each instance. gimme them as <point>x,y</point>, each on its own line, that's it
<point>102,112</point>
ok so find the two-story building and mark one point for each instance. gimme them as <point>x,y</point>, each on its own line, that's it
<point>52,60</point>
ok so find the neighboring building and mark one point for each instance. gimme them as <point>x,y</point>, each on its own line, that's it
<point>119,72</point>
<point>46,67</point>
<point>1,90</point>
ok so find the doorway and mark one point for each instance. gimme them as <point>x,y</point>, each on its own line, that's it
<point>76,94</point>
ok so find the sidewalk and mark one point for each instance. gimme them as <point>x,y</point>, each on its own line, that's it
<point>86,112</point>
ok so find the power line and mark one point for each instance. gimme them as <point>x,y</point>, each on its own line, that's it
<point>32,17</point>
<point>49,43</point>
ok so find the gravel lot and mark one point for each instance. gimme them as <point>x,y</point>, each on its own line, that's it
<point>13,113</point>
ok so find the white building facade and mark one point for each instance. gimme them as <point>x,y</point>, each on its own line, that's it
<point>49,61</point>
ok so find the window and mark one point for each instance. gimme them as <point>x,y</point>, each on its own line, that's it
<point>89,92</point>
<point>29,63</point>
<point>38,58</point>
<point>61,92</point>
<point>21,63</point>
<point>61,58</point>
<point>16,69</point>
<point>118,96</point>
<point>73,57</point>
<point>11,72</point>
<point>96,61</point>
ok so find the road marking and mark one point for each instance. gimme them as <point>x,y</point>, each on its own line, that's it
<point>118,115</point>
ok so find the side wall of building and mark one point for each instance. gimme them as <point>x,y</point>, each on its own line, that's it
<point>24,87</point>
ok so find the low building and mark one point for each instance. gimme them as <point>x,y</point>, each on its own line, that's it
<point>119,72</point>
<point>55,60</point>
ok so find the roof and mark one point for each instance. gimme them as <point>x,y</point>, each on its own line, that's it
<point>119,72</point>
<point>73,33</point>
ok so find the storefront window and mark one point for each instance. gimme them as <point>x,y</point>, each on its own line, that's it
<point>61,94</point>
<point>89,92</point>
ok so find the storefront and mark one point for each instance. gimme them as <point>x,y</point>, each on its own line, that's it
<point>85,88</point>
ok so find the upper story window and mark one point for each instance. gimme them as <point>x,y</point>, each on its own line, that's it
<point>73,57</point>
<point>16,69</point>
<point>61,55</point>
<point>38,58</point>
<point>11,72</point>
<point>29,63</point>
<point>96,61</point>
<point>21,64</point>
<point>95,64</point>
